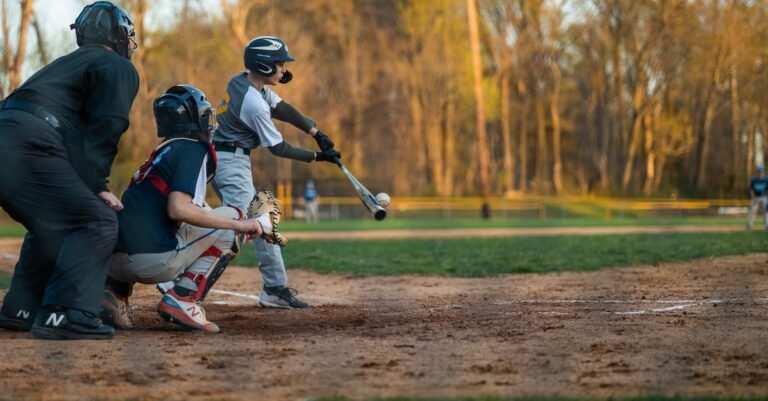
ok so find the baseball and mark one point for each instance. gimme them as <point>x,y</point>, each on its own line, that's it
<point>383,199</point>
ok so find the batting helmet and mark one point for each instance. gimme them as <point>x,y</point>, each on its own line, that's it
<point>263,52</point>
<point>183,111</point>
<point>104,23</point>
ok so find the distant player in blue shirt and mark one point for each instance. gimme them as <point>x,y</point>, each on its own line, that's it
<point>758,193</point>
<point>310,202</point>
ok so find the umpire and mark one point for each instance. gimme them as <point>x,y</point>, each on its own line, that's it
<point>59,133</point>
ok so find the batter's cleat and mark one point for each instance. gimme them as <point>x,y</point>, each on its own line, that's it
<point>16,319</point>
<point>116,310</point>
<point>185,312</point>
<point>280,297</point>
<point>57,323</point>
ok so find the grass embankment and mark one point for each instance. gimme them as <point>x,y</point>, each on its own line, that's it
<point>493,256</point>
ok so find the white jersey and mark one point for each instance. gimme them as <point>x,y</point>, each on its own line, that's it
<point>245,120</point>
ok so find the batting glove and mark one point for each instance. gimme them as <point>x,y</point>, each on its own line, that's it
<point>329,155</point>
<point>323,141</point>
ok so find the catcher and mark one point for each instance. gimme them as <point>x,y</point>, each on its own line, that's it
<point>166,230</point>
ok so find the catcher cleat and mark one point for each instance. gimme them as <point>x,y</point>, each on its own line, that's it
<point>16,319</point>
<point>185,312</point>
<point>265,208</point>
<point>116,310</point>
<point>57,323</point>
<point>280,297</point>
<point>165,287</point>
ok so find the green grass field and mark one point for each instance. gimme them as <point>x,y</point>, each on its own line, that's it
<point>493,256</point>
<point>12,231</point>
<point>5,279</point>
<point>394,223</point>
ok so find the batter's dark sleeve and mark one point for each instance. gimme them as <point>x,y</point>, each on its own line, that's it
<point>286,112</point>
<point>284,149</point>
<point>112,86</point>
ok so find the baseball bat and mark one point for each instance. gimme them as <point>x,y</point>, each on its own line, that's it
<point>369,201</point>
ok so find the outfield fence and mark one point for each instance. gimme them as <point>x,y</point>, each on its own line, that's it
<point>335,208</point>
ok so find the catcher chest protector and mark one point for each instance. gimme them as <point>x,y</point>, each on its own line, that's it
<point>104,23</point>
<point>263,52</point>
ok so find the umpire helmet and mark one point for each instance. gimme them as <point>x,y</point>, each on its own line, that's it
<point>183,111</point>
<point>263,52</point>
<point>104,23</point>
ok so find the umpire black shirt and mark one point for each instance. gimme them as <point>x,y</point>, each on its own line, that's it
<point>90,91</point>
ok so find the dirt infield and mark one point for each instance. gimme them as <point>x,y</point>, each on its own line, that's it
<point>696,328</point>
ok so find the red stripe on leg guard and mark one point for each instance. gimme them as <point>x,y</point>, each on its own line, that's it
<point>212,251</point>
<point>200,280</point>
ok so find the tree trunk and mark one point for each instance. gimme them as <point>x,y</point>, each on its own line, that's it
<point>14,73</point>
<point>450,147</point>
<point>618,84</point>
<point>650,152</point>
<point>557,166</point>
<point>523,139</point>
<point>736,177</point>
<point>482,144</point>
<point>43,52</point>
<point>634,145</point>
<point>506,134</point>
<point>541,141</point>
<point>7,55</point>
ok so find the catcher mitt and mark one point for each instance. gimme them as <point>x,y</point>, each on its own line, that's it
<point>265,203</point>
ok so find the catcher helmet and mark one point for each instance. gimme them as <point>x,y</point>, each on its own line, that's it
<point>104,23</point>
<point>263,52</point>
<point>183,111</point>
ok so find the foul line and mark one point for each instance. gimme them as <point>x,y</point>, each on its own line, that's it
<point>677,304</point>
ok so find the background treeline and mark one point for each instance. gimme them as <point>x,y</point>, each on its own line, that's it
<point>607,97</point>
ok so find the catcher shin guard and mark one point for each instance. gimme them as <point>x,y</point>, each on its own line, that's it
<point>206,281</point>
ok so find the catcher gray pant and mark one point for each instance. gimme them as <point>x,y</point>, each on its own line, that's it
<point>193,241</point>
<point>71,232</point>
<point>758,201</point>
<point>233,184</point>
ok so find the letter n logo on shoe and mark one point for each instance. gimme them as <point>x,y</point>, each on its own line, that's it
<point>193,311</point>
<point>54,319</point>
<point>24,314</point>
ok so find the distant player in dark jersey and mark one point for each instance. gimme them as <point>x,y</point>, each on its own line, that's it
<point>758,193</point>
<point>167,231</point>
<point>59,133</point>
<point>246,123</point>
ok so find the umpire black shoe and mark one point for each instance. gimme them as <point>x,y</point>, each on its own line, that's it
<point>58,323</point>
<point>16,319</point>
<point>280,297</point>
